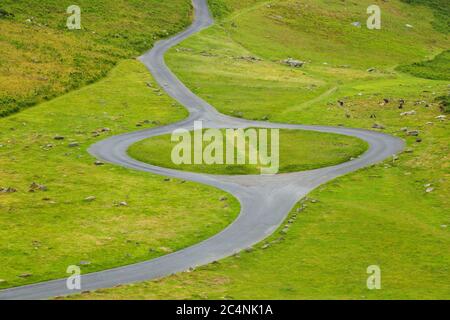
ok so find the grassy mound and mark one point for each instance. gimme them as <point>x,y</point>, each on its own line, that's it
<point>299,150</point>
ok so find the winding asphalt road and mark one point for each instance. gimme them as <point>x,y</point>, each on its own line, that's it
<point>265,200</point>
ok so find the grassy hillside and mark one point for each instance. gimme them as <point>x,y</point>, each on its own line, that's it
<point>441,10</point>
<point>41,58</point>
<point>394,214</point>
<point>436,69</point>
<point>58,209</point>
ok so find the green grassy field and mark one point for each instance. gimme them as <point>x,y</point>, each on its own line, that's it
<point>298,151</point>
<point>56,207</point>
<point>45,231</point>
<point>395,214</point>
<point>41,58</point>
<point>436,69</point>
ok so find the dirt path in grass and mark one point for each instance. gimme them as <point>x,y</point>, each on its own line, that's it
<point>265,200</point>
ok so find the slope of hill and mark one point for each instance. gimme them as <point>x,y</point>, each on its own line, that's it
<point>58,208</point>
<point>109,216</point>
<point>436,69</point>
<point>395,214</point>
<point>40,58</point>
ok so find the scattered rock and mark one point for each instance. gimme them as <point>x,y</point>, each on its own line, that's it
<point>294,63</point>
<point>441,117</point>
<point>284,230</point>
<point>341,103</point>
<point>223,199</point>
<point>404,129</point>
<point>25,275</point>
<point>249,249</point>
<point>8,190</point>
<point>98,131</point>
<point>430,189</point>
<point>37,187</point>
<point>413,133</point>
<point>249,58</point>
<point>73,144</point>
<point>166,179</point>
<point>265,118</point>
<point>123,204</point>
<point>356,24</point>
<point>90,199</point>
<point>409,150</point>
<point>378,126</point>
<point>408,26</point>
<point>99,163</point>
<point>59,138</point>
<point>418,140</point>
<point>408,113</point>
<point>371,70</point>
<point>418,103</point>
<point>84,263</point>
<point>265,246</point>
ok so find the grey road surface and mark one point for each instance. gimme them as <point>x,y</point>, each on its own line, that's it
<point>265,200</point>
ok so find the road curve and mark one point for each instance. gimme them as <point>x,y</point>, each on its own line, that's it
<point>265,200</point>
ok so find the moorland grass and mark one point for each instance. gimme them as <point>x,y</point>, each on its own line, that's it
<point>394,214</point>
<point>436,69</point>
<point>41,58</point>
<point>441,10</point>
<point>106,215</point>
<point>298,151</point>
